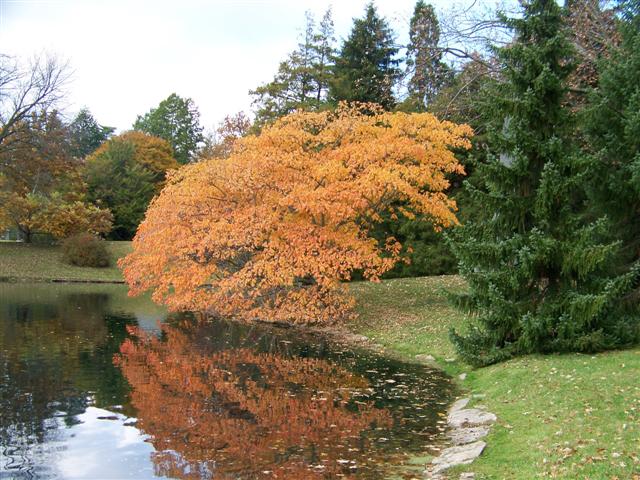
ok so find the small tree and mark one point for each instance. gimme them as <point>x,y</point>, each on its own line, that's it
<point>219,143</point>
<point>272,231</point>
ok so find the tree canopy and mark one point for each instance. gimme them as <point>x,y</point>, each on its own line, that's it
<point>124,174</point>
<point>41,190</point>
<point>27,89</point>
<point>366,67</point>
<point>176,120</point>
<point>87,134</point>
<point>272,231</point>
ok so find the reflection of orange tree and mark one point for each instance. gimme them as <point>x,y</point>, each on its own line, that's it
<point>236,412</point>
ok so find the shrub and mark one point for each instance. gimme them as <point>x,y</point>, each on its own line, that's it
<point>85,250</point>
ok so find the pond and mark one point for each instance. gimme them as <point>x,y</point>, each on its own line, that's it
<point>99,385</point>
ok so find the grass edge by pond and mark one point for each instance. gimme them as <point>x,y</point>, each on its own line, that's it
<point>20,262</point>
<point>559,416</point>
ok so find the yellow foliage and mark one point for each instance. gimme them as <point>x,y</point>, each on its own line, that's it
<point>58,215</point>
<point>154,153</point>
<point>272,231</point>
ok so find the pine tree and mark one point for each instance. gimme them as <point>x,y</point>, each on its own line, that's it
<point>323,52</point>
<point>302,80</point>
<point>86,134</point>
<point>424,59</point>
<point>537,271</point>
<point>366,69</point>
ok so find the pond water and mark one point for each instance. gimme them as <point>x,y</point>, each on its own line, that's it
<point>98,385</point>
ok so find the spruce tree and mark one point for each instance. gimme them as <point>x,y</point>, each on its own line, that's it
<point>86,134</point>
<point>612,127</point>
<point>424,63</point>
<point>366,69</point>
<point>537,270</point>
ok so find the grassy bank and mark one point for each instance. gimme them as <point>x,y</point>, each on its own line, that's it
<point>560,416</point>
<point>38,263</point>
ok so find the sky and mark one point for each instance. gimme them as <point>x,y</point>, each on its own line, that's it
<point>127,56</point>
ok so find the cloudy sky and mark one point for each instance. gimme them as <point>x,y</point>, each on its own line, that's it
<point>126,56</point>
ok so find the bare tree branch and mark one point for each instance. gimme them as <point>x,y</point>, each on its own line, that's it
<point>27,89</point>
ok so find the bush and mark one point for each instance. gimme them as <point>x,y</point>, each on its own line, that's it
<point>85,250</point>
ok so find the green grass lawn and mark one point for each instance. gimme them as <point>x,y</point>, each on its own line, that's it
<point>24,262</point>
<point>560,416</point>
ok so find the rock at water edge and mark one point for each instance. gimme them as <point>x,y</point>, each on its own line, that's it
<point>460,455</point>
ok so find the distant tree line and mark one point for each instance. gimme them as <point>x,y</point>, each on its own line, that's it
<point>59,178</point>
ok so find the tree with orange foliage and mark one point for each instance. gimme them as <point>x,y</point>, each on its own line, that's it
<point>272,232</point>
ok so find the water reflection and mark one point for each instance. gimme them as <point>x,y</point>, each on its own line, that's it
<point>93,387</point>
<point>241,411</point>
<point>226,401</point>
<point>56,348</point>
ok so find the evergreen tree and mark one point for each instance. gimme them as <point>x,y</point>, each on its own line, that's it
<point>302,80</point>
<point>424,59</point>
<point>612,124</point>
<point>538,273</point>
<point>366,69</point>
<point>176,120</point>
<point>323,53</point>
<point>87,134</point>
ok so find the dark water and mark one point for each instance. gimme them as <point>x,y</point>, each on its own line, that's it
<point>93,386</point>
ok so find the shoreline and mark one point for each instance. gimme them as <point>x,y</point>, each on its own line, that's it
<point>57,280</point>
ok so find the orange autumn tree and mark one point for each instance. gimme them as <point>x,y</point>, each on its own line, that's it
<point>273,231</point>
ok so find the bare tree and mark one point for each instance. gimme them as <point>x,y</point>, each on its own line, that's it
<point>26,89</point>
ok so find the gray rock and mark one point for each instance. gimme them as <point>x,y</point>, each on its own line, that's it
<point>459,405</point>
<point>462,436</point>
<point>467,476</point>
<point>425,357</point>
<point>470,417</point>
<point>460,455</point>
<point>462,376</point>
